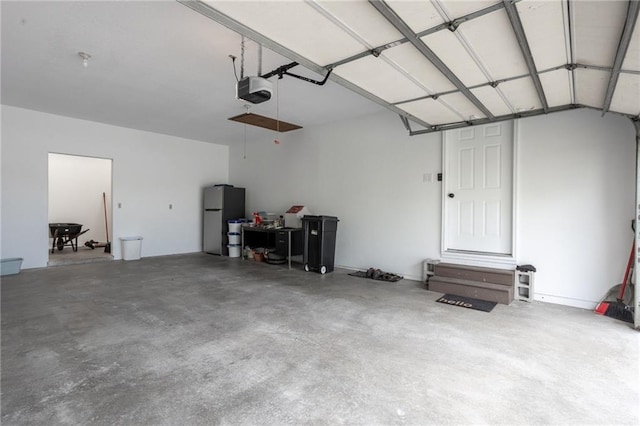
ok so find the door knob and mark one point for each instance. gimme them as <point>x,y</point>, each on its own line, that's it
<point>451,195</point>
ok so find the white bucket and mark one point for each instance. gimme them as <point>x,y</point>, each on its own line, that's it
<point>234,250</point>
<point>234,237</point>
<point>235,225</point>
<point>131,247</point>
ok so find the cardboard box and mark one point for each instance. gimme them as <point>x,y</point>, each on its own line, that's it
<point>293,216</point>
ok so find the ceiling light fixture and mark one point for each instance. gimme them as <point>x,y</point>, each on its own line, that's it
<point>85,58</point>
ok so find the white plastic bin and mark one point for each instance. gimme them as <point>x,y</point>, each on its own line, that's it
<point>10,266</point>
<point>234,237</point>
<point>235,225</point>
<point>234,250</point>
<point>131,247</point>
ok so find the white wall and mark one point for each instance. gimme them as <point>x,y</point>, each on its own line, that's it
<point>150,171</point>
<point>367,172</point>
<point>575,190</point>
<point>575,194</point>
<point>76,185</point>
<point>576,201</point>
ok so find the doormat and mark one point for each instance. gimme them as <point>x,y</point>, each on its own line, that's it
<point>467,302</point>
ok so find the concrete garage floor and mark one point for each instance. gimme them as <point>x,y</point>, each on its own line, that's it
<point>199,339</point>
<point>83,255</point>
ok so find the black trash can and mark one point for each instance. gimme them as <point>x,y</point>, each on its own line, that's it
<point>319,242</point>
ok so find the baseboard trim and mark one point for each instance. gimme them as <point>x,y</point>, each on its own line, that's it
<point>566,301</point>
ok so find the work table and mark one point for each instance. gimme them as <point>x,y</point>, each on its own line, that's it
<point>286,241</point>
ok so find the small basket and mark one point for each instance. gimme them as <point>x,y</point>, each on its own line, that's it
<point>10,266</point>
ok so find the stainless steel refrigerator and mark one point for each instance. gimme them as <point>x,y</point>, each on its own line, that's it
<point>221,203</point>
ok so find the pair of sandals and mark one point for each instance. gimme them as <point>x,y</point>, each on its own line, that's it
<point>374,273</point>
<point>378,274</point>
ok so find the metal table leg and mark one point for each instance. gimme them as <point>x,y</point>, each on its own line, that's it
<point>289,248</point>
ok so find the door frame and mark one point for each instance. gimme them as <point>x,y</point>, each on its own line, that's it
<point>473,258</point>
<point>110,198</point>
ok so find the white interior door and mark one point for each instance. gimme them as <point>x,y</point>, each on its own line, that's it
<point>478,182</point>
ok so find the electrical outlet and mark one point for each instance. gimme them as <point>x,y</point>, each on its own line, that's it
<point>427,177</point>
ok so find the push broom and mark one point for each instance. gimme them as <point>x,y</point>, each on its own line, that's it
<point>618,309</point>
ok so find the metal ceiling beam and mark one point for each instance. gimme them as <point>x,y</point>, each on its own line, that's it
<point>523,114</point>
<point>452,26</point>
<point>375,52</point>
<point>570,44</point>
<point>567,13</point>
<point>479,121</point>
<point>623,46</point>
<point>353,34</point>
<point>213,14</point>
<point>404,29</point>
<point>629,72</point>
<point>406,123</point>
<point>568,67</point>
<point>571,67</point>
<point>518,29</point>
<point>497,82</point>
<point>623,114</point>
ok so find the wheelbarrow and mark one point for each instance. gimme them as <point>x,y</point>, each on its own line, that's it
<point>65,234</point>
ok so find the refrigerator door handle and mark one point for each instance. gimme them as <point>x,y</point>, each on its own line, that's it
<point>212,210</point>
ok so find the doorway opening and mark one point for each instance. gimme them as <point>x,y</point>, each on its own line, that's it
<point>79,209</point>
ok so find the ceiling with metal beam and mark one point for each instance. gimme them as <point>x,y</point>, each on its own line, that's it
<point>446,64</point>
<point>155,66</point>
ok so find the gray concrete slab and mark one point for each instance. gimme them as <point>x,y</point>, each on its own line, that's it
<point>200,339</point>
<point>84,255</point>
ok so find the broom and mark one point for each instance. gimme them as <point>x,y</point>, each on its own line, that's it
<point>618,309</point>
<point>107,246</point>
